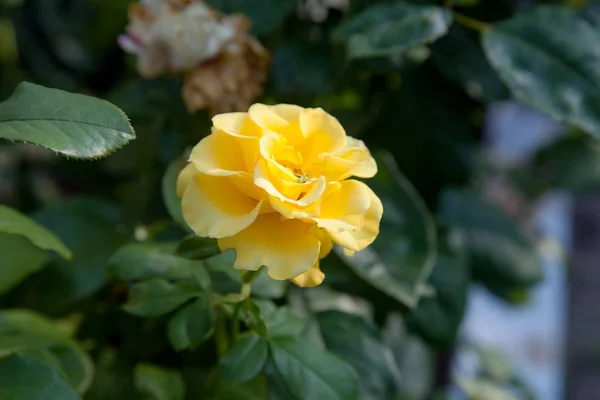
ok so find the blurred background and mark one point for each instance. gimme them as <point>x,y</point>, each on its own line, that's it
<point>522,317</point>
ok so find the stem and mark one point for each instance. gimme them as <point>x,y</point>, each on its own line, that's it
<point>235,329</point>
<point>471,23</point>
<point>220,334</point>
<point>247,278</point>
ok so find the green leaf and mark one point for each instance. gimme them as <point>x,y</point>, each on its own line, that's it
<point>251,315</point>
<point>93,230</point>
<point>12,221</point>
<point>495,365</point>
<point>192,325</point>
<point>402,257</point>
<point>438,317</point>
<point>392,28</point>
<point>147,260</point>
<point>72,124</point>
<point>591,11</point>
<point>266,287</point>
<point>114,377</point>
<point>31,379</point>
<point>29,321</point>
<point>547,58</point>
<point>245,359</point>
<point>77,366</point>
<point>499,254</point>
<point>484,389</point>
<point>282,322</point>
<point>20,258</point>
<point>571,163</point>
<point>459,56</point>
<point>311,373</point>
<point>158,383</point>
<point>360,346</point>
<point>33,335</point>
<point>417,363</point>
<point>266,15</point>
<point>17,342</point>
<point>72,363</point>
<point>157,297</point>
<point>277,387</point>
<point>169,191</point>
<point>197,248</point>
<point>256,389</point>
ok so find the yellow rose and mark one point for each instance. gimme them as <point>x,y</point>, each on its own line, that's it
<point>273,184</point>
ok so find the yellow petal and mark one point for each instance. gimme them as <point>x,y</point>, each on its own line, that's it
<point>326,242</point>
<point>323,134</point>
<point>286,247</point>
<point>354,160</point>
<point>245,182</point>
<point>299,194</point>
<point>282,119</point>
<point>345,209</point>
<point>221,154</point>
<point>349,253</point>
<point>185,177</point>
<point>236,124</point>
<point>358,240</point>
<point>295,210</point>
<point>311,278</point>
<point>213,206</point>
<point>271,145</point>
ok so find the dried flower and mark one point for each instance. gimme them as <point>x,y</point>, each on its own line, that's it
<point>224,67</point>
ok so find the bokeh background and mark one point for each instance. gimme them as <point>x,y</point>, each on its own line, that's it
<point>517,321</point>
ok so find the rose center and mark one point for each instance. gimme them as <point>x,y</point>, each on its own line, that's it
<point>302,177</point>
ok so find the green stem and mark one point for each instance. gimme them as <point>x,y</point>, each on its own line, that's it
<point>221,334</point>
<point>247,278</point>
<point>235,329</point>
<point>471,23</point>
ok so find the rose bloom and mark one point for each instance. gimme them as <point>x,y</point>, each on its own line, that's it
<point>273,184</point>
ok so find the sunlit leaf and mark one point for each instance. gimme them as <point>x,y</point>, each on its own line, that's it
<point>72,124</point>
<point>547,58</point>
<point>391,28</point>
<point>12,221</point>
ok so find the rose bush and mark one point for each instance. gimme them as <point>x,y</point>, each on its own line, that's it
<point>107,293</point>
<point>273,185</point>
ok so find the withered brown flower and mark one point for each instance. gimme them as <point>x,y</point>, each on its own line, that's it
<point>224,66</point>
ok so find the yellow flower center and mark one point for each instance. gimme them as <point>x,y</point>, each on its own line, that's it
<point>302,177</point>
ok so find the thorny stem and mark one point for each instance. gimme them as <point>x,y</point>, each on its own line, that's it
<point>471,23</point>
